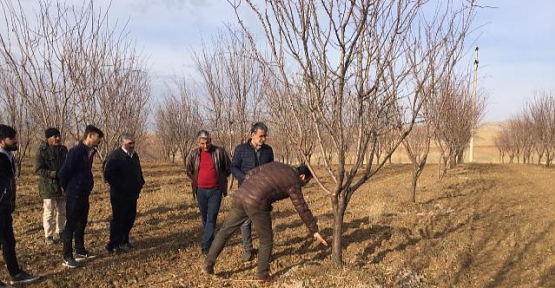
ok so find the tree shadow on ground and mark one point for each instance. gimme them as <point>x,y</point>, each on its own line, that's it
<point>548,278</point>
<point>300,246</point>
<point>517,255</point>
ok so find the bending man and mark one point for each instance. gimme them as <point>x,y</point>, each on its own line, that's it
<point>263,186</point>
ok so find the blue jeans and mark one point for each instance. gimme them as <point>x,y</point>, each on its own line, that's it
<point>209,201</point>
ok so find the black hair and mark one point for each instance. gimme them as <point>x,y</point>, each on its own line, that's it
<point>303,170</point>
<point>92,129</point>
<point>7,132</point>
<point>259,126</point>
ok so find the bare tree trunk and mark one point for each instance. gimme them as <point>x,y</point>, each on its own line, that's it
<point>414,183</point>
<point>339,207</point>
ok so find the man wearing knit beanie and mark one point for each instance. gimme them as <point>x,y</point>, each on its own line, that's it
<point>49,159</point>
<point>49,132</point>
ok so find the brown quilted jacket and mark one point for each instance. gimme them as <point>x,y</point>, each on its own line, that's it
<point>271,182</point>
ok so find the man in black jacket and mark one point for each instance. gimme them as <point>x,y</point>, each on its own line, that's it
<point>8,144</point>
<point>123,172</point>
<point>77,181</point>
<point>49,159</point>
<point>253,153</point>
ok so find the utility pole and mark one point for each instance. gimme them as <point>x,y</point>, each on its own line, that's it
<point>471,150</point>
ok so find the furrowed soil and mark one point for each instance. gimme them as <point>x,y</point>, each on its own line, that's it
<point>482,225</point>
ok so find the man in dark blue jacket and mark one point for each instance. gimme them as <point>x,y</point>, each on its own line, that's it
<point>124,174</point>
<point>246,156</point>
<point>8,144</point>
<point>76,179</point>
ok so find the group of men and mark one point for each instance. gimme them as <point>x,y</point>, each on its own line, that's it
<point>261,181</point>
<point>66,181</point>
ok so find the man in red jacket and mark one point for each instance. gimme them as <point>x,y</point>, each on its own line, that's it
<point>263,186</point>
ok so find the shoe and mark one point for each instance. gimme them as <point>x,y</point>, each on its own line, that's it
<point>50,240</point>
<point>4,285</point>
<point>127,246</point>
<point>84,256</point>
<point>23,277</point>
<point>247,256</point>
<point>70,262</point>
<point>204,251</point>
<point>265,278</point>
<point>115,250</point>
<point>208,268</point>
<point>58,236</point>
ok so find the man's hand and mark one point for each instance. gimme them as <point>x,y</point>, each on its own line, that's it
<point>319,238</point>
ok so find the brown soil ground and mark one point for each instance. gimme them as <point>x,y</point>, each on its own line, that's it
<point>482,225</point>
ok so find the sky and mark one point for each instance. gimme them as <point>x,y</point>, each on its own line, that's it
<point>515,39</point>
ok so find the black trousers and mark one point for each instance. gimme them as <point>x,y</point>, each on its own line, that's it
<point>124,213</point>
<point>77,213</point>
<point>7,240</point>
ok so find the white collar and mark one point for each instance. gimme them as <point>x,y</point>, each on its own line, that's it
<point>126,152</point>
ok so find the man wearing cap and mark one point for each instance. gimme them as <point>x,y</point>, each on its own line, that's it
<point>49,159</point>
<point>262,186</point>
<point>208,166</point>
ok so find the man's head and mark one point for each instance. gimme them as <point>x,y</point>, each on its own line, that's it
<point>204,140</point>
<point>8,138</point>
<point>53,136</point>
<point>128,142</point>
<point>304,174</point>
<point>93,136</point>
<point>259,132</point>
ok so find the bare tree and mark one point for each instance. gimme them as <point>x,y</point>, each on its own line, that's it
<point>71,68</point>
<point>501,141</point>
<point>454,114</point>
<point>417,145</point>
<point>112,87</point>
<point>233,80</point>
<point>540,114</point>
<point>514,131</point>
<point>284,130</point>
<point>15,114</point>
<point>177,121</point>
<point>355,59</point>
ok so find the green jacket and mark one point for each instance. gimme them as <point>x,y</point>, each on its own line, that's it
<point>48,162</point>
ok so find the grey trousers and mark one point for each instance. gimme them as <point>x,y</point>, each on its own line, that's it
<point>262,222</point>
